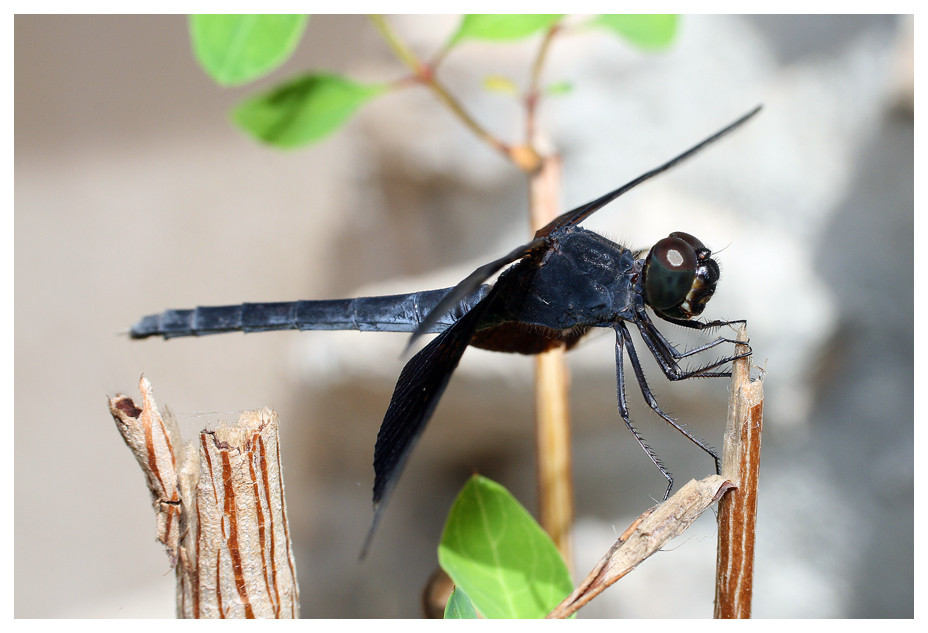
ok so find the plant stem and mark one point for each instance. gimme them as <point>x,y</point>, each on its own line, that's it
<point>552,410</point>
<point>738,507</point>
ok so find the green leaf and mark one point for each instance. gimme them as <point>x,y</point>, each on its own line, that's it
<point>501,28</point>
<point>459,606</point>
<point>494,550</point>
<point>559,88</point>
<point>235,49</point>
<point>303,110</point>
<point>646,31</point>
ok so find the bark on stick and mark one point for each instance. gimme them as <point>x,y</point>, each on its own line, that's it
<point>220,510</point>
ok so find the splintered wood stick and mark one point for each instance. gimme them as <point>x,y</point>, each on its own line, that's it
<point>737,519</point>
<point>646,535</point>
<point>220,510</point>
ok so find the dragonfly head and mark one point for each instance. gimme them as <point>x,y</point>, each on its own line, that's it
<point>679,276</point>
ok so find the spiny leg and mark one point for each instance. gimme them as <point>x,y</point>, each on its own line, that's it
<point>623,411</point>
<point>652,402</point>
<point>667,355</point>
<point>672,350</point>
<point>700,325</point>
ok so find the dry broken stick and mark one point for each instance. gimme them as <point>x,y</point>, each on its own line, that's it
<point>220,508</point>
<point>737,519</point>
<point>645,536</point>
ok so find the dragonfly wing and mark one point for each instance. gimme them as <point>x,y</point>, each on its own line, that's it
<point>575,216</point>
<point>417,392</point>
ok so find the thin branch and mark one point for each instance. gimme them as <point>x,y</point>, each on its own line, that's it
<point>425,74</point>
<point>532,96</point>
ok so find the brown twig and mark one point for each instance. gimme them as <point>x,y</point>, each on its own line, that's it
<point>738,508</point>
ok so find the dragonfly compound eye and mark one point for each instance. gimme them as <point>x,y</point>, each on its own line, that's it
<point>701,251</point>
<point>680,276</point>
<point>670,271</point>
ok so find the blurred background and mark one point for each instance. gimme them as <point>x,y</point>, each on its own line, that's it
<point>134,193</point>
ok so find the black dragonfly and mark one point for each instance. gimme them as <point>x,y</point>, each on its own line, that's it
<point>564,282</point>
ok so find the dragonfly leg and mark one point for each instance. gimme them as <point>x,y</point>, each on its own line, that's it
<point>623,333</point>
<point>674,352</point>
<point>703,325</point>
<point>667,356</point>
<point>623,411</point>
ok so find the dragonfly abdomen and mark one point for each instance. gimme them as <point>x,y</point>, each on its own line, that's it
<point>393,313</point>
